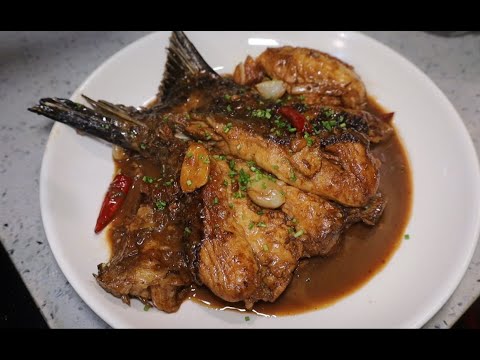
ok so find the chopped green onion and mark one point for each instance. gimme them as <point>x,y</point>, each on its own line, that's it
<point>265,247</point>
<point>187,231</point>
<point>227,128</point>
<point>238,195</point>
<point>247,318</point>
<point>147,307</point>
<point>161,205</point>
<point>251,225</point>
<point>293,177</point>
<point>298,234</point>
<point>189,182</point>
<point>268,115</point>
<point>143,146</point>
<point>261,224</point>
<point>148,179</point>
<point>406,237</point>
<point>215,201</point>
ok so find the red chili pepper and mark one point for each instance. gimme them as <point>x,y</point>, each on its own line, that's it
<point>296,119</point>
<point>116,194</point>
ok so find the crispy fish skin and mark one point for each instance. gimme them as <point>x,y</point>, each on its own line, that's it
<point>322,78</point>
<point>249,253</point>
<point>153,258</point>
<point>244,256</point>
<point>338,167</point>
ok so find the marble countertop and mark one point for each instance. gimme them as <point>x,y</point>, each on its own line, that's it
<point>36,64</point>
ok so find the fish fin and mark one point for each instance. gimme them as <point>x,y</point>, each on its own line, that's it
<point>114,111</point>
<point>183,60</point>
<point>86,120</point>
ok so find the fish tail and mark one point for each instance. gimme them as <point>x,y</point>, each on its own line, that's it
<point>115,129</point>
<point>183,60</point>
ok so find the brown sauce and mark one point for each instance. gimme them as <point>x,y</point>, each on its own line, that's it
<point>364,250</point>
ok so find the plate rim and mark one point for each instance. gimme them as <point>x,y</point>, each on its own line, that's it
<point>119,323</point>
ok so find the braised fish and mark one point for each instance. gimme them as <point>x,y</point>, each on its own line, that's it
<point>316,173</point>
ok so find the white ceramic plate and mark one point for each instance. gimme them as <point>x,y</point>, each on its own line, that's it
<point>420,277</point>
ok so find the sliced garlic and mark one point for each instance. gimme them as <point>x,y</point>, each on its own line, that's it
<point>195,168</point>
<point>266,193</point>
<point>273,89</point>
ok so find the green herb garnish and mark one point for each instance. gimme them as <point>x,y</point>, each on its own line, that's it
<point>298,234</point>
<point>309,139</point>
<point>161,205</point>
<point>293,177</point>
<point>227,128</point>
<point>238,195</point>
<point>148,179</point>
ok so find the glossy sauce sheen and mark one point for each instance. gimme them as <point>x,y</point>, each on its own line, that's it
<point>318,282</point>
<point>364,250</point>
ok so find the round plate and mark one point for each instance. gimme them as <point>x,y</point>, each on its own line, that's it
<point>422,274</point>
